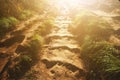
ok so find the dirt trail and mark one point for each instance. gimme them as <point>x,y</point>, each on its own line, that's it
<point>60,58</point>
<point>14,39</point>
<point>62,54</point>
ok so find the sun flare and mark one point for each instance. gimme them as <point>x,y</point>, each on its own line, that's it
<point>73,3</point>
<point>65,5</point>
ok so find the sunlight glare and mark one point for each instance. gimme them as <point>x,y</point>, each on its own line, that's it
<point>73,3</point>
<point>64,6</point>
<point>68,4</point>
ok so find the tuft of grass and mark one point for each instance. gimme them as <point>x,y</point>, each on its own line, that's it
<point>39,38</point>
<point>25,14</point>
<point>25,58</point>
<point>7,24</point>
<point>46,27</point>
<point>13,21</point>
<point>34,46</point>
<point>4,23</point>
<point>18,70</point>
<point>102,59</point>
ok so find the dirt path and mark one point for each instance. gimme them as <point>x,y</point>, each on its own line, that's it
<point>13,39</point>
<point>60,58</point>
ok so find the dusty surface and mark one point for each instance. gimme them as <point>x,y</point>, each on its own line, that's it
<point>13,39</point>
<point>60,58</point>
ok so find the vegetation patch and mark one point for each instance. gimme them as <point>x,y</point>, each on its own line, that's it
<point>28,55</point>
<point>46,27</point>
<point>89,24</point>
<point>103,60</point>
<point>25,14</point>
<point>7,24</point>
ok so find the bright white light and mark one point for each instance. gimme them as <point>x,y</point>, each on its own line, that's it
<point>65,5</point>
<point>87,1</point>
<point>75,2</point>
<point>68,3</point>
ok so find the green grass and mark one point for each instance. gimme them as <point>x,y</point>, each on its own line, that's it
<point>27,57</point>
<point>46,27</point>
<point>13,21</point>
<point>25,14</point>
<point>7,24</point>
<point>102,59</point>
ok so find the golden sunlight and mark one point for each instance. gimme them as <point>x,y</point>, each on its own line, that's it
<point>73,3</point>
<point>65,5</point>
<point>59,39</point>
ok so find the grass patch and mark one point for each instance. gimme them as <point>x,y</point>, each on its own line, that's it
<point>7,24</point>
<point>102,59</point>
<point>29,55</point>
<point>46,27</point>
<point>25,14</point>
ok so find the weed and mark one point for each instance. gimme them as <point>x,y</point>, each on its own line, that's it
<point>102,59</point>
<point>7,24</point>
